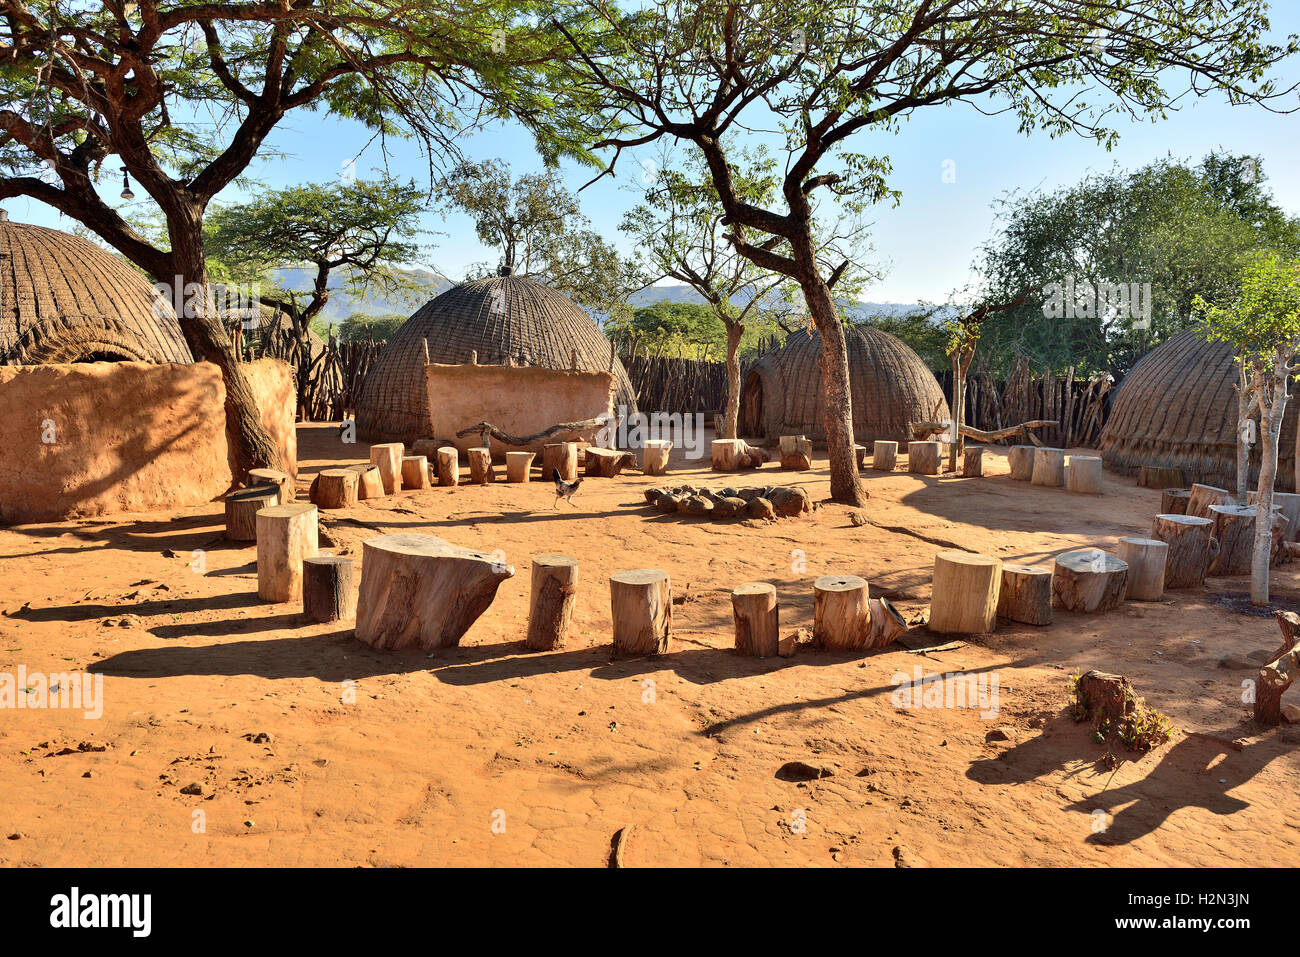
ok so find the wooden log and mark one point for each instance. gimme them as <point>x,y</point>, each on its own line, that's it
<point>1083,474</point>
<point>641,604</point>
<point>795,462</point>
<point>1156,476</point>
<point>972,462</point>
<point>924,458</point>
<point>337,488</point>
<point>606,463</point>
<point>387,457</point>
<point>1278,675</point>
<point>964,597</point>
<point>756,615</point>
<point>1026,594</point>
<point>1021,460</point>
<point>418,590</point>
<point>1146,559</point>
<point>841,613</point>
<point>887,624</point>
<point>860,453</point>
<point>1190,548</point>
<point>1173,501</point>
<point>654,457</point>
<point>519,466</point>
<point>1049,467</point>
<point>286,534</point>
<point>1289,503</point>
<point>922,429</point>
<point>370,484</point>
<point>242,507</point>
<point>1088,581</point>
<point>328,588</point>
<point>481,471</point>
<point>562,456</point>
<point>884,455</point>
<point>554,592</point>
<point>727,455</point>
<point>448,467</point>
<point>1234,530</point>
<point>274,477</point>
<point>1203,496</point>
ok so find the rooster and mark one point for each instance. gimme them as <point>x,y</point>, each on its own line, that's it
<point>564,490</point>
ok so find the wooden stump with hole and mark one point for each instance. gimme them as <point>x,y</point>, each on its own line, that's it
<point>1021,460</point>
<point>1276,676</point>
<point>1203,496</point>
<point>1146,559</point>
<point>972,461</point>
<point>964,596</point>
<point>448,467</point>
<point>274,477</point>
<point>370,484</point>
<point>887,623</point>
<point>387,457</point>
<point>1190,548</point>
<point>418,590</point>
<point>841,613</point>
<point>607,463</point>
<point>654,456</point>
<point>1234,530</point>
<point>562,456</point>
<point>1026,594</point>
<point>553,594</point>
<point>242,508</point>
<point>884,455</point>
<point>756,616</point>
<point>481,471</point>
<point>641,604</point>
<point>1049,468</point>
<point>1173,501</point>
<point>286,534</point>
<point>1083,474</point>
<point>924,458</point>
<point>519,466</point>
<point>1157,476</point>
<point>727,455</point>
<point>337,488</point>
<point>328,588</point>
<point>1089,581</point>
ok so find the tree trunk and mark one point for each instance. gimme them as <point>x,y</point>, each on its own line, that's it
<point>1271,409</point>
<point>731,418</point>
<point>837,396</point>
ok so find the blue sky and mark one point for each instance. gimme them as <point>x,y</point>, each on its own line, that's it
<point>928,243</point>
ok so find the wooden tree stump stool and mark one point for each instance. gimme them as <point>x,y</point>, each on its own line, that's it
<point>1234,530</point>
<point>387,457</point>
<point>1145,558</point>
<point>1083,474</point>
<point>328,588</point>
<point>448,467</point>
<point>1203,496</point>
<point>242,508</point>
<point>481,471</point>
<point>421,590</point>
<point>887,624</point>
<point>286,534</point>
<point>519,466</point>
<point>1049,468</point>
<point>884,456</point>
<point>841,613</point>
<point>1190,548</point>
<point>337,488</point>
<point>370,484</point>
<point>1089,581</point>
<point>727,454</point>
<point>1276,676</point>
<point>924,458</point>
<point>641,604</point>
<point>607,463</point>
<point>654,457</point>
<point>274,477</point>
<point>1026,594</point>
<point>415,472</point>
<point>972,462</point>
<point>964,596</point>
<point>1021,460</point>
<point>562,456</point>
<point>860,454</point>
<point>795,462</point>
<point>1289,504</point>
<point>756,615</point>
<point>1173,501</point>
<point>553,594</point>
<point>1156,476</point>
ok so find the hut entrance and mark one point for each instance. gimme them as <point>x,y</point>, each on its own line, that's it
<point>751,405</point>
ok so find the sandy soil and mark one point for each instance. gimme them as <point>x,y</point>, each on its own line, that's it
<point>487,754</point>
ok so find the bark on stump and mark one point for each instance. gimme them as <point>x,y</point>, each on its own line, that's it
<point>1173,501</point>
<point>654,457</point>
<point>841,613</point>
<point>756,614</point>
<point>519,466</point>
<point>1155,476</point>
<point>1234,530</point>
<point>1021,460</point>
<point>727,455</point>
<point>481,471</point>
<point>924,458</point>
<point>1276,676</point>
<point>387,457</point>
<point>641,605</point>
<point>964,596</point>
<point>1203,496</point>
<point>884,456</point>
<point>554,592</point>
<point>606,463</point>
<point>1089,581</point>
<point>337,488</point>
<point>562,456</point>
<point>328,588</point>
<point>887,625</point>
<point>1190,548</point>
<point>1146,559</point>
<point>1049,468</point>
<point>1084,474</point>
<point>242,508</point>
<point>448,467</point>
<point>421,590</point>
<point>1026,594</point>
<point>972,462</point>
<point>370,484</point>
<point>272,477</point>
<point>286,534</point>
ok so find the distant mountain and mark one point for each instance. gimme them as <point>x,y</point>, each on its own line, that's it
<point>680,293</point>
<point>341,304</point>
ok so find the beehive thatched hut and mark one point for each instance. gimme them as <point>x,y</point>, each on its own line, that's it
<point>63,299</point>
<point>892,389</point>
<point>504,319</point>
<point>1178,409</point>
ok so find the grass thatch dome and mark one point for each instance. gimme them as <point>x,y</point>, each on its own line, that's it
<point>1178,409</point>
<point>892,389</point>
<point>504,318</point>
<point>63,299</point>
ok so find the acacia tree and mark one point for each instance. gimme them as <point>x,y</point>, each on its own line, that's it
<point>822,71</point>
<point>87,86</point>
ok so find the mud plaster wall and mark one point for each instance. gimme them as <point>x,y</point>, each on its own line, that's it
<point>127,436</point>
<point>519,400</point>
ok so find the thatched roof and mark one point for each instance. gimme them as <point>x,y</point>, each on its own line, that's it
<point>892,389</point>
<point>1178,409</point>
<point>63,299</point>
<point>503,319</point>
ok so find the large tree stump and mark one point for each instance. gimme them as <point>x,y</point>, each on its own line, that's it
<point>337,488</point>
<point>841,613</point>
<point>1049,468</point>
<point>370,484</point>
<point>1173,501</point>
<point>274,477</point>
<point>286,534</point>
<point>884,455</point>
<point>972,461</point>
<point>606,463</point>
<point>1234,530</point>
<point>727,454</point>
<point>1146,559</point>
<point>1203,496</point>
<point>1289,503</point>
<point>1110,704</point>
<point>1021,460</point>
<point>387,457</point>
<point>924,458</point>
<point>887,624</point>
<point>1083,474</point>
<point>641,604</point>
<point>964,596</point>
<point>242,508</point>
<point>1156,476</point>
<point>448,467</point>
<point>1190,548</point>
<point>654,456</point>
<point>562,456</point>
<point>481,471</point>
<point>553,594</point>
<point>328,588</point>
<point>519,466</point>
<point>1089,581</point>
<point>421,590</point>
<point>1276,676</point>
<point>1026,594</point>
<point>756,614</point>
